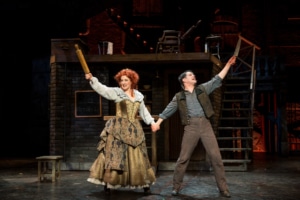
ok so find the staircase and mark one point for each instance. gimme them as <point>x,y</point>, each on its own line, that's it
<point>234,132</point>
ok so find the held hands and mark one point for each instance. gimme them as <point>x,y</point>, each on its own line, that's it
<point>155,127</point>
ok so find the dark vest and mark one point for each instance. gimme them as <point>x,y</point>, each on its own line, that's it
<point>203,99</point>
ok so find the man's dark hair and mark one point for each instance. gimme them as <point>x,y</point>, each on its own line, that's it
<point>181,76</point>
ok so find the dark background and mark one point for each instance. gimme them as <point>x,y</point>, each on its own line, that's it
<point>27,28</point>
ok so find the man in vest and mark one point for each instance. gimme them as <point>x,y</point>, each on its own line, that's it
<point>195,109</point>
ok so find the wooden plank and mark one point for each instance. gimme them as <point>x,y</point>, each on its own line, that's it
<point>152,58</point>
<point>236,161</point>
<point>235,149</point>
<point>234,138</point>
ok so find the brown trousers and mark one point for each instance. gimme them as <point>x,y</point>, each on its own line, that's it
<point>199,129</point>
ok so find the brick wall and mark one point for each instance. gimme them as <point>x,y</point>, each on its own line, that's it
<point>73,137</point>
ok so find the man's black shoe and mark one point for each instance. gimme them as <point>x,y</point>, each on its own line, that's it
<point>225,194</point>
<point>174,192</point>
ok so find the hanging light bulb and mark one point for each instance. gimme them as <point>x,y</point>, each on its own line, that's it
<point>112,12</point>
<point>131,30</point>
<point>118,17</point>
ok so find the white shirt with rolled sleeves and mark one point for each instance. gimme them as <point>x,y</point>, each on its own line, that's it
<point>116,94</point>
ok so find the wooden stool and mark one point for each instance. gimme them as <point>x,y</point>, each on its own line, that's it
<point>43,166</point>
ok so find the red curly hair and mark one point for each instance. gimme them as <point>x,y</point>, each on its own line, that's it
<point>131,74</point>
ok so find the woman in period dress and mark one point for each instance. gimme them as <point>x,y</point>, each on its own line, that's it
<point>123,159</point>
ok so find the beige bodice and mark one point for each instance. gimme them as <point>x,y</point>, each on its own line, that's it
<point>128,110</point>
